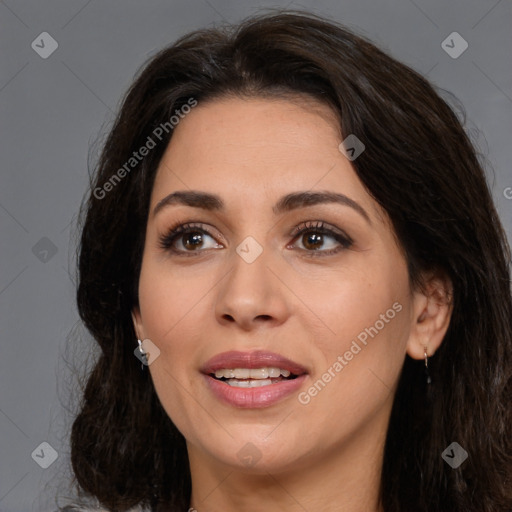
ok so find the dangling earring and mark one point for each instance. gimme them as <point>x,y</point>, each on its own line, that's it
<point>143,353</point>
<point>427,373</point>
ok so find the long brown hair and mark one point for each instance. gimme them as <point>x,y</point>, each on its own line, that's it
<point>419,165</point>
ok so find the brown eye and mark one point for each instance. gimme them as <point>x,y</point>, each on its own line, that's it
<point>314,237</point>
<point>192,240</point>
<point>312,241</point>
<point>187,238</point>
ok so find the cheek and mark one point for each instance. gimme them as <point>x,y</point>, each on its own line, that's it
<point>169,303</point>
<point>360,304</point>
<point>359,361</point>
<point>167,306</point>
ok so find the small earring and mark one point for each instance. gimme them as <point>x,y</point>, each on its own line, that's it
<point>427,373</point>
<point>143,353</point>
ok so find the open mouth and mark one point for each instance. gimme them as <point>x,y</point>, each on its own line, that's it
<point>254,377</point>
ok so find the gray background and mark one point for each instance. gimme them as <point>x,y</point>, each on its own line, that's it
<point>53,109</point>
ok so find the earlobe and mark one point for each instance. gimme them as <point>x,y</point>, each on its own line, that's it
<point>137,322</point>
<point>433,308</point>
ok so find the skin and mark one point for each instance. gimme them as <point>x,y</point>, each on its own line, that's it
<point>327,454</point>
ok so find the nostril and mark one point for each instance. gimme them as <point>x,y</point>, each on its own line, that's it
<point>263,317</point>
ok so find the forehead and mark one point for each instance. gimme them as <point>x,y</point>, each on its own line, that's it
<point>255,150</point>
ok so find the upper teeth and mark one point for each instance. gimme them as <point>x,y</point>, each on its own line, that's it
<point>253,373</point>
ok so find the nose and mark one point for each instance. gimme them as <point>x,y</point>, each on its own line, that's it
<point>252,295</point>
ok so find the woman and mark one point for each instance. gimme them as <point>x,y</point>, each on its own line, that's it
<point>293,234</point>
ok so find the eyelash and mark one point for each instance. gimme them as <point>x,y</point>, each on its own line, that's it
<point>167,240</point>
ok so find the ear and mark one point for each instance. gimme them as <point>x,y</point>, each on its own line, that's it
<point>432,313</point>
<point>137,323</point>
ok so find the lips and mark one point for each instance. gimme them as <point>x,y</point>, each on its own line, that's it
<point>253,397</point>
<point>251,360</point>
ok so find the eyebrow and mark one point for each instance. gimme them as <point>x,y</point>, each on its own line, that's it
<point>289,202</point>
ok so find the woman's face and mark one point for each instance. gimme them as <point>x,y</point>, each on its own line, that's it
<point>272,274</point>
